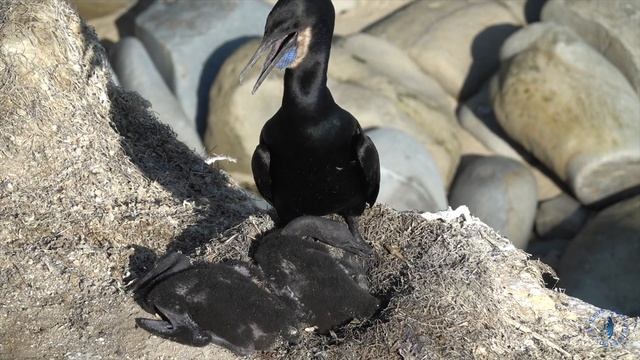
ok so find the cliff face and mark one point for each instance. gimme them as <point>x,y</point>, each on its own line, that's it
<point>92,188</point>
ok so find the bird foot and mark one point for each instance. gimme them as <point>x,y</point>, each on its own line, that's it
<point>174,326</point>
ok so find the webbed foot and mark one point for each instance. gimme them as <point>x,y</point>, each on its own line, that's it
<point>175,326</point>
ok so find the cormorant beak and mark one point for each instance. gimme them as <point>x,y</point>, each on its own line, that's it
<point>282,52</point>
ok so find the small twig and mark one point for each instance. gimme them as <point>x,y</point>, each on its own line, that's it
<point>20,274</point>
<point>255,226</point>
<point>539,337</point>
<point>395,251</point>
<point>230,238</point>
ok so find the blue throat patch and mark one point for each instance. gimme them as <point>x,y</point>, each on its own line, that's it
<point>288,58</point>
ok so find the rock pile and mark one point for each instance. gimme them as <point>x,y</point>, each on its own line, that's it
<point>584,128</point>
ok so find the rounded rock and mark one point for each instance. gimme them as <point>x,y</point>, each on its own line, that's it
<point>409,177</point>
<point>136,72</point>
<point>561,217</point>
<point>573,110</point>
<point>611,27</point>
<point>476,115</point>
<point>456,42</point>
<point>189,40</point>
<point>500,191</point>
<point>601,264</point>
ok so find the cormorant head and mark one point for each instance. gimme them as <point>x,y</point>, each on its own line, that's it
<point>287,35</point>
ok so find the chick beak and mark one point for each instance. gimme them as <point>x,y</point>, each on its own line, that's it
<point>277,48</point>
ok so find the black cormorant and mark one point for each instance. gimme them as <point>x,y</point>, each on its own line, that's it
<point>313,158</point>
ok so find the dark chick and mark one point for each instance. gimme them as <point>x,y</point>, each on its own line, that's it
<point>312,158</point>
<point>323,286</point>
<point>298,282</point>
<point>213,303</point>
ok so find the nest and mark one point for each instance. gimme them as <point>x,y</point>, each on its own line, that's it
<point>93,188</point>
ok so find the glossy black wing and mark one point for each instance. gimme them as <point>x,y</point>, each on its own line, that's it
<point>367,156</point>
<point>260,166</point>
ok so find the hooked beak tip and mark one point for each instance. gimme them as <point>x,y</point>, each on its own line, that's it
<point>243,74</point>
<point>255,88</point>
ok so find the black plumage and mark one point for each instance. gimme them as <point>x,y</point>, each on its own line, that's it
<point>306,275</point>
<point>313,157</point>
<point>302,264</point>
<point>246,308</point>
<point>221,304</point>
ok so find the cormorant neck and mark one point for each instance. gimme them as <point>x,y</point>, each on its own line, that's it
<point>305,86</point>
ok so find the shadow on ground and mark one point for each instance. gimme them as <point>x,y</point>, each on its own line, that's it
<point>153,148</point>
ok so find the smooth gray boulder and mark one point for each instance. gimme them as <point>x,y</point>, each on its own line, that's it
<point>500,191</point>
<point>560,217</point>
<point>574,111</point>
<point>601,265</point>
<point>456,42</point>
<point>189,40</point>
<point>476,115</point>
<point>611,27</point>
<point>136,72</point>
<point>409,177</point>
